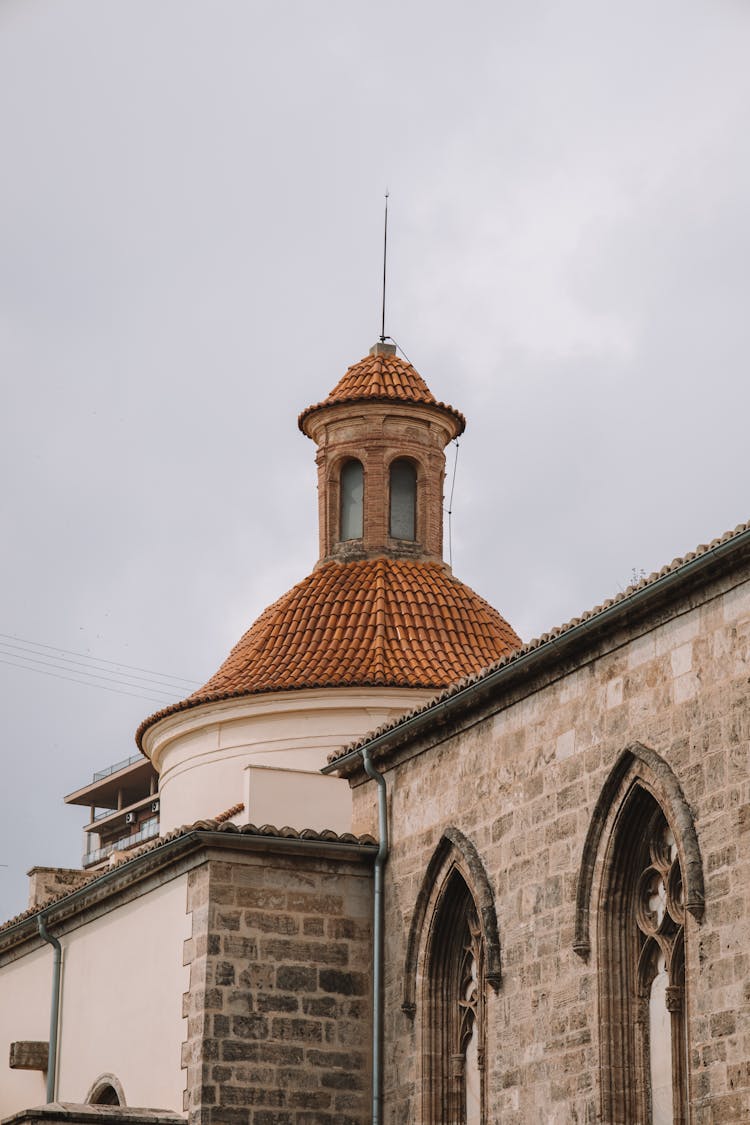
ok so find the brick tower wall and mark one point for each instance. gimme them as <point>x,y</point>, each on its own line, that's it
<point>377,436</point>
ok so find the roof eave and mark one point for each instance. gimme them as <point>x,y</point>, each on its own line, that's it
<point>496,679</point>
<point>445,411</point>
<point>173,849</point>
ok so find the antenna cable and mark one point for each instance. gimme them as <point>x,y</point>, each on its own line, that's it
<point>449,509</point>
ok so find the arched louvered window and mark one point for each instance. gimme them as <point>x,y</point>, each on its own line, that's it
<point>642,968</point>
<point>352,500</point>
<point>454,1009</point>
<point>403,500</point>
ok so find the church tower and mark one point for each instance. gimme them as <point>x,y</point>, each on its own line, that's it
<point>380,436</point>
<point>377,628</point>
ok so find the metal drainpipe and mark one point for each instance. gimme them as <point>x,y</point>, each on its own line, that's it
<point>377,940</point>
<point>54,1018</point>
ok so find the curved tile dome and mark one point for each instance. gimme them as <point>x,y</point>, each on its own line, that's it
<point>379,622</point>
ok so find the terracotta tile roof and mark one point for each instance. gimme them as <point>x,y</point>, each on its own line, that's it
<point>229,813</point>
<point>510,658</point>
<point>371,623</point>
<point>382,378</point>
<point>215,824</point>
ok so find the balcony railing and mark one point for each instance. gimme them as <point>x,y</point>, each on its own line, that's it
<point>100,774</point>
<point>147,831</point>
<point>102,813</point>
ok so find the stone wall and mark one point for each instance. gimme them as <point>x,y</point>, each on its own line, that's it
<point>49,882</point>
<point>70,1113</point>
<point>521,780</point>
<point>279,1007</point>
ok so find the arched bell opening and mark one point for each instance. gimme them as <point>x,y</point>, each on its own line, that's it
<point>402,500</point>
<point>351,500</point>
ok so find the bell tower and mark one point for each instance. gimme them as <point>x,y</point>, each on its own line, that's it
<point>376,629</point>
<point>381,436</point>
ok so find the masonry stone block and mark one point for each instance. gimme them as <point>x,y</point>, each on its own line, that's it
<point>276,993</point>
<point>521,779</point>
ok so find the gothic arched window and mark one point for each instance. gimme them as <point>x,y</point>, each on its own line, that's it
<point>352,500</point>
<point>641,939</point>
<point>453,954</point>
<point>660,916</point>
<point>650,880</point>
<point>454,1009</point>
<point>403,500</point>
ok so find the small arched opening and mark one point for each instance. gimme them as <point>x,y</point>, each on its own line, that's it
<point>107,1090</point>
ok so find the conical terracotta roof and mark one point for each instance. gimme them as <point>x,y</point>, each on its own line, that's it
<point>379,622</point>
<point>382,378</point>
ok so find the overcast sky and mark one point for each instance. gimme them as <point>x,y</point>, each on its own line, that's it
<point>190,236</point>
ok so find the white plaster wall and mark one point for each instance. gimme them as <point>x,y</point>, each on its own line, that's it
<point>25,990</point>
<point>121,1006</point>
<point>123,982</point>
<point>201,754</point>
<point>296,798</point>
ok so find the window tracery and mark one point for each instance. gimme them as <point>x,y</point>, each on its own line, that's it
<point>470,1025</point>
<point>452,961</point>
<point>642,925</point>
<point>660,916</point>
<point>454,1015</point>
<point>642,853</point>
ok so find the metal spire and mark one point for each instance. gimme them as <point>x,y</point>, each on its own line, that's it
<point>385,260</point>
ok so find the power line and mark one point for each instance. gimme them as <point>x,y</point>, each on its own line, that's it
<point>120,681</point>
<point>99,660</point>
<point>85,683</point>
<point>449,509</point>
<point>66,665</point>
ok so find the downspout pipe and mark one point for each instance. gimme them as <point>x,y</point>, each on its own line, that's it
<point>378,933</point>
<point>54,1017</point>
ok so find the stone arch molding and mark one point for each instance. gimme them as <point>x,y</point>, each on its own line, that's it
<point>104,1083</point>
<point>643,765</point>
<point>454,849</point>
